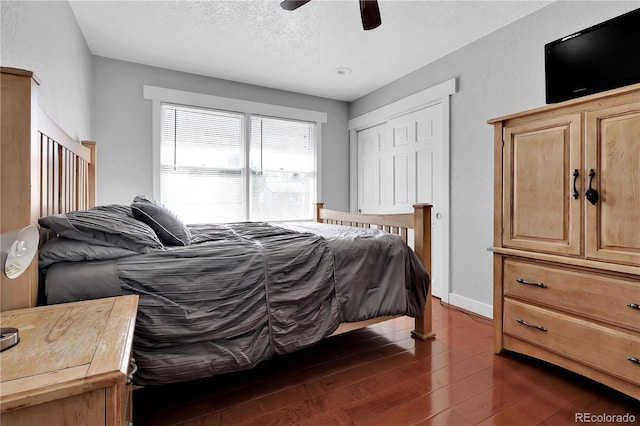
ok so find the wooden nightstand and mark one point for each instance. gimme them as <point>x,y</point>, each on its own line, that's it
<point>71,365</point>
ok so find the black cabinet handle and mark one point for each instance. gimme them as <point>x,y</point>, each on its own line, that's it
<point>591,194</point>
<point>529,324</point>
<point>134,369</point>
<point>523,281</point>
<point>576,195</point>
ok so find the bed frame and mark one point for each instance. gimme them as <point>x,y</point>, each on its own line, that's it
<point>44,171</point>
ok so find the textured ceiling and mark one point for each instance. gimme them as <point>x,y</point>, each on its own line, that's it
<point>256,42</point>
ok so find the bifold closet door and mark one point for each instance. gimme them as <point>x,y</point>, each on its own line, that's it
<point>401,162</point>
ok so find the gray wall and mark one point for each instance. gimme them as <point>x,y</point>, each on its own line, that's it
<point>123,130</point>
<point>44,37</point>
<point>500,74</point>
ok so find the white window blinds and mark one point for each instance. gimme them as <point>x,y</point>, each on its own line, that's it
<point>215,169</point>
<point>282,169</point>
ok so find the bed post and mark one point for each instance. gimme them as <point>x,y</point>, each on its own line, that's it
<point>319,206</point>
<point>422,247</point>
<point>20,175</point>
<point>91,178</point>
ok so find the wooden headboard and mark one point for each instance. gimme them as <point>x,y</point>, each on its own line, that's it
<point>43,172</point>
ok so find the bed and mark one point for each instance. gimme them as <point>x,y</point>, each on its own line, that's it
<point>294,267</point>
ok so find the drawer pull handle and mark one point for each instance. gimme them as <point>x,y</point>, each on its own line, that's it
<point>633,305</point>
<point>528,324</point>
<point>134,368</point>
<point>575,175</point>
<point>523,281</point>
<point>633,359</point>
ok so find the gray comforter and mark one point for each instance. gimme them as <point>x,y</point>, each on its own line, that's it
<point>241,293</point>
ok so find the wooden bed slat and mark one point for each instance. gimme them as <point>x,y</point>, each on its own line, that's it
<point>64,190</point>
<point>52,171</point>
<point>55,166</point>
<point>44,175</point>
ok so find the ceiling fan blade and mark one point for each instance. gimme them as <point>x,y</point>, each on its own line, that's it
<point>293,4</point>
<point>370,14</point>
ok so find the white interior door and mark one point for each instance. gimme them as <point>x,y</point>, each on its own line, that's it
<point>404,161</point>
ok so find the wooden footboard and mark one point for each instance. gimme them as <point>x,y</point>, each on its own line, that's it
<point>420,222</point>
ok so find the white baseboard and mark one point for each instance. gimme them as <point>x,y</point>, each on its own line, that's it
<point>471,305</point>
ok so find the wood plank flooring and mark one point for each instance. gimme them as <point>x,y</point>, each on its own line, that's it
<point>381,376</point>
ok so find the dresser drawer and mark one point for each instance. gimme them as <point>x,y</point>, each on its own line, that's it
<point>602,297</point>
<point>606,349</point>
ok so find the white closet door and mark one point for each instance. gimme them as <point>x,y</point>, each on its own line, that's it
<point>400,163</point>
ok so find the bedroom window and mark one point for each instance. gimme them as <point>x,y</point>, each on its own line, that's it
<point>222,166</point>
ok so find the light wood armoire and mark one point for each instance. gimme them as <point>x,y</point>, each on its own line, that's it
<point>567,236</point>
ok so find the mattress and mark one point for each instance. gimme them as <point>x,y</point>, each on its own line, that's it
<point>240,293</point>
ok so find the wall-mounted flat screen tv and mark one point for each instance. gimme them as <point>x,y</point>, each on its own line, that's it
<point>598,58</point>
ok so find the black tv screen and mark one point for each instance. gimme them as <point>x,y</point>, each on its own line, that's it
<point>598,58</point>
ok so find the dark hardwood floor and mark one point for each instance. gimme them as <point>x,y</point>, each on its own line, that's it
<point>381,376</point>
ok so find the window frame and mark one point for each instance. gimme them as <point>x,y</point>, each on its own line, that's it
<point>160,95</point>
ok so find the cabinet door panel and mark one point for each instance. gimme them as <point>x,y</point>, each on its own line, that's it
<point>613,151</point>
<point>541,213</point>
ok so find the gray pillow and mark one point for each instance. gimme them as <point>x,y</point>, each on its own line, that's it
<point>171,230</point>
<point>62,249</point>
<point>112,225</point>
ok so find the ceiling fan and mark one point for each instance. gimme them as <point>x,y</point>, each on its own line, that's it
<point>369,11</point>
